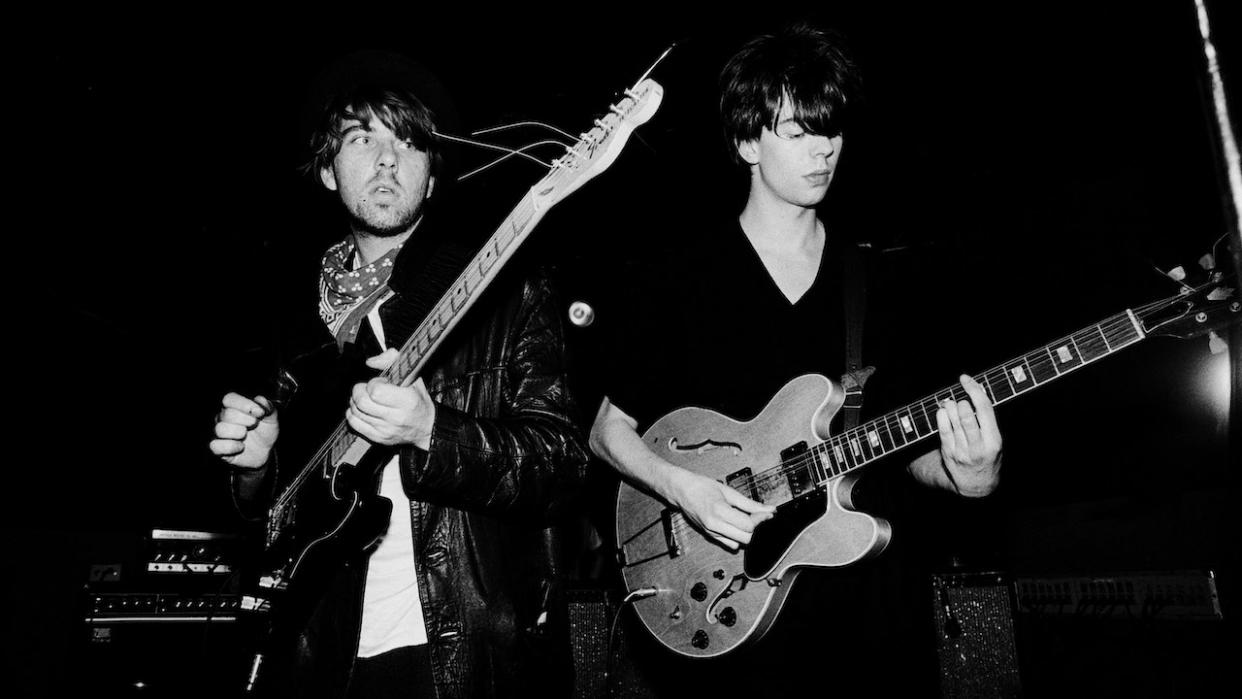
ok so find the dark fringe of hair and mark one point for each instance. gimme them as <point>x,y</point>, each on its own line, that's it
<point>399,110</point>
<point>810,67</point>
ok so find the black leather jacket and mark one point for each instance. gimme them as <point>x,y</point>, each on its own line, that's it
<point>487,500</point>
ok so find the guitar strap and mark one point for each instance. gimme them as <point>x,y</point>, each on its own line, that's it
<point>854,296</point>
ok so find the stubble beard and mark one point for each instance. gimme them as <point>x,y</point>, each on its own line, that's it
<point>376,221</point>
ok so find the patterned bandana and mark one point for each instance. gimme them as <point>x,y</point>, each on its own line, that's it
<point>347,295</point>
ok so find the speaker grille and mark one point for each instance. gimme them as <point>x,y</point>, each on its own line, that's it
<point>589,612</point>
<point>974,615</point>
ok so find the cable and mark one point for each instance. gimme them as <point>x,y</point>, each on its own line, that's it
<point>640,593</point>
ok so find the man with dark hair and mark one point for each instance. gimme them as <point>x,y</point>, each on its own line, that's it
<point>457,597</point>
<point>747,305</point>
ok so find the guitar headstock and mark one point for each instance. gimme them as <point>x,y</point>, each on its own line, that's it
<point>596,149</point>
<point>1197,309</point>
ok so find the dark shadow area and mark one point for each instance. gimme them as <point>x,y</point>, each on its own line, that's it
<point>1026,169</point>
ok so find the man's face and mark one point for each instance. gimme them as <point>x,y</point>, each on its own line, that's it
<point>789,163</point>
<point>382,179</point>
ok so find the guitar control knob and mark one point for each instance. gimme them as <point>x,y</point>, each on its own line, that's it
<point>727,616</point>
<point>700,639</point>
<point>698,592</point>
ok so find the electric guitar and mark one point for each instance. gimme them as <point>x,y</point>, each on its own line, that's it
<point>700,599</point>
<point>326,512</point>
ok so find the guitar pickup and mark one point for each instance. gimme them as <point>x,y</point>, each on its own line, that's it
<point>797,461</point>
<point>742,482</point>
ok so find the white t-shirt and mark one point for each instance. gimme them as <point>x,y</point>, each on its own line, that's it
<point>392,613</point>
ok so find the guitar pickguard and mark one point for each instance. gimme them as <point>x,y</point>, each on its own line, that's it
<point>772,539</point>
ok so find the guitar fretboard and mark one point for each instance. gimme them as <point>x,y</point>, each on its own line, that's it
<point>901,428</point>
<point>444,316</point>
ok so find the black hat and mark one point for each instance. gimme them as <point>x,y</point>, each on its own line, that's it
<point>382,69</point>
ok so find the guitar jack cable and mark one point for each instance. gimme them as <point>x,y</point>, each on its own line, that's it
<point>633,596</point>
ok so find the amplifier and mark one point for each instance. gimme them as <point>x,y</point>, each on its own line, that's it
<point>1158,633</point>
<point>605,665</point>
<point>975,635</point>
<point>163,622</point>
<point>144,656</point>
<point>106,608</point>
<point>1176,595</point>
<point>589,612</point>
<point>1117,634</point>
<point>174,551</point>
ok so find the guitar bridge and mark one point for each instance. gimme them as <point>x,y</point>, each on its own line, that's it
<point>670,532</point>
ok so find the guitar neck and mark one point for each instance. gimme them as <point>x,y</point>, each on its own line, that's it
<point>430,333</point>
<point>453,305</point>
<point>421,344</point>
<point>472,281</point>
<point>915,422</point>
<point>584,158</point>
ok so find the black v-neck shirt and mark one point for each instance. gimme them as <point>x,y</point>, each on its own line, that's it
<point>704,324</point>
<point>708,326</point>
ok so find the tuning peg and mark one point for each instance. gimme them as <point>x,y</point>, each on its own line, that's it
<point>1208,262</point>
<point>1215,344</point>
<point>1177,274</point>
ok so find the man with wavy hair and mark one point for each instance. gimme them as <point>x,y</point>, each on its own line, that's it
<point>458,598</point>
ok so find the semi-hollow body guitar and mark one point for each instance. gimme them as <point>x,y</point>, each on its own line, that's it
<point>700,599</point>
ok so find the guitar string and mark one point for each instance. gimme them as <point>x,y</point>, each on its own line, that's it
<point>891,420</point>
<point>1097,347</point>
<point>607,127</point>
<point>809,465</point>
<point>501,159</point>
<point>1094,339</point>
<point>1091,344</point>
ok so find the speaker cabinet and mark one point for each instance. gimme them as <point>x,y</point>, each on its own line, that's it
<point>606,666</point>
<point>159,658</point>
<point>974,621</point>
<point>589,612</point>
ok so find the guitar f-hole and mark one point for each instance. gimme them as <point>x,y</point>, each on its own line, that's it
<point>704,446</point>
<point>726,615</point>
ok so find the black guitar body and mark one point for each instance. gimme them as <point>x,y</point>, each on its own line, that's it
<point>330,525</point>
<point>773,540</point>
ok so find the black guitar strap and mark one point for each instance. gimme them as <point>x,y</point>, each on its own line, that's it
<point>854,295</point>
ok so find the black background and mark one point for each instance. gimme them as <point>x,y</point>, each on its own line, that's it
<point>1024,171</point>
